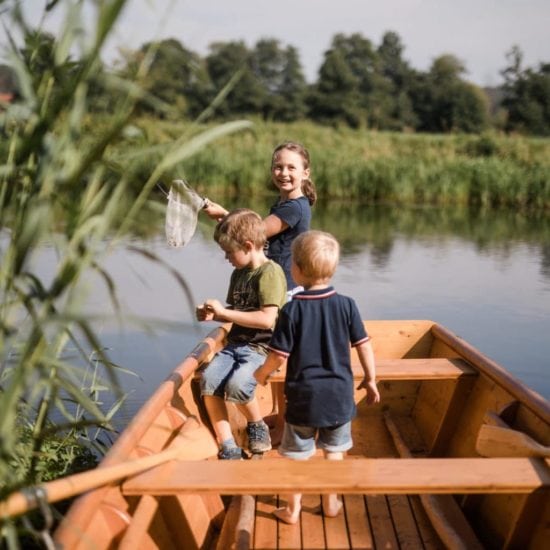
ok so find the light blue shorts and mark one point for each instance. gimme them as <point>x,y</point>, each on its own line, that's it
<point>299,441</point>
<point>230,374</point>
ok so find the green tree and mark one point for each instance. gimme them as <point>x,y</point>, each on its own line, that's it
<point>281,80</point>
<point>398,75</point>
<point>526,96</point>
<point>293,88</point>
<point>348,82</point>
<point>225,60</point>
<point>177,76</point>
<point>360,84</point>
<point>335,98</point>
<point>444,102</point>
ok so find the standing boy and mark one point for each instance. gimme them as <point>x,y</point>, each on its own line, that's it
<point>313,333</point>
<point>257,291</point>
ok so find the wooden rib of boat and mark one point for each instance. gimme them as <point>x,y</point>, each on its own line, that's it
<point>456,455</point>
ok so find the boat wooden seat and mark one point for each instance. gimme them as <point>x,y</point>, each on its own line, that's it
<point>351,476</point>
<point>432,368</point>
<point>436,368</point>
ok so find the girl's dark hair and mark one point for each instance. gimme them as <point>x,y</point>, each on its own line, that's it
<point>308,187</point>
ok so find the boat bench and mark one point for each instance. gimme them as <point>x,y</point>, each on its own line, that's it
<point>431,368</point>
<point>349,476</point>
<point>436,368</point>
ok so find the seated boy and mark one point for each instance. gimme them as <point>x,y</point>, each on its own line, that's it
<point>257,291</point>
<point>314,332</point>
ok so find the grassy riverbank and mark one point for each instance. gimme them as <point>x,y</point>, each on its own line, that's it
<point>367,166</point>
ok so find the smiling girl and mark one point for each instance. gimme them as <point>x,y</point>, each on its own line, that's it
<point>291,214</point>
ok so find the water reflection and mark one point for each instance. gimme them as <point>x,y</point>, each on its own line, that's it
<point>487,230</point>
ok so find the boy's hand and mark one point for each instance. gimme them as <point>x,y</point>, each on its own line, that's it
<point>216,308</point>
<point>261,376</point>
<point>373,395</point>
<point>204,313</point>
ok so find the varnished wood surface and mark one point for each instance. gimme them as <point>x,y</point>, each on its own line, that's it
<point>366,476</point>
<point>428,368</point>
<point>438,403</point>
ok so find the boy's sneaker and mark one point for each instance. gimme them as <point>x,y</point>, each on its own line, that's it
<point>231,453</point>
<point>258,437</point>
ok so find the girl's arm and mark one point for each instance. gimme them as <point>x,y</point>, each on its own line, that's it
<point>273,362</point>
<point>263,318</point>
<point>274,225</point>
<point>215,211</point>
<point>366,357</point>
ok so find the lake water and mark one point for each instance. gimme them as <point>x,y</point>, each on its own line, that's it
<point>483,275</point>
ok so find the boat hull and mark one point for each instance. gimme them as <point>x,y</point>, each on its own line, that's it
<point>437,395</point>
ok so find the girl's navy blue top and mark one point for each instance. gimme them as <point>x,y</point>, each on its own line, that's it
<point>314,331</point>
<point>296,213</point>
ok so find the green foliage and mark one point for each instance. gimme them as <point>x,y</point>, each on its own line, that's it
<point>358,85</point>
<point>176,76</point>
<point>59,455</point>
<point>281,80</point>
<point>444,102</point>
<point>527,96</point>
<point>63,183</point>
<point>489,169</point>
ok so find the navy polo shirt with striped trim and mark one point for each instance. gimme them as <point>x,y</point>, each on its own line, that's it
<point>314,331</point>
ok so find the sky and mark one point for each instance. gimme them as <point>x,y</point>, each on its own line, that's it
<point>478,32</point>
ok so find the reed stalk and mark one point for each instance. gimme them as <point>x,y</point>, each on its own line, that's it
<point>64,186</point>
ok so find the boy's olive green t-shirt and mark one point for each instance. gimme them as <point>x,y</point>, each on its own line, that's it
<point>250,290</point>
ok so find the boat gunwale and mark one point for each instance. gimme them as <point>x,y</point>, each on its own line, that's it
<point>528,397</point>
<point>138,426</point>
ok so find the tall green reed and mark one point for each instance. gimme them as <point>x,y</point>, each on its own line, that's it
<point>365,166</point>
<point>68,187</point>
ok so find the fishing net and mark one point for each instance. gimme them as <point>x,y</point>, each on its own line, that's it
<point>182,212</point>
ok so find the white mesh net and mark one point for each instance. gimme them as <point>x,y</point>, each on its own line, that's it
<point>182,212</point>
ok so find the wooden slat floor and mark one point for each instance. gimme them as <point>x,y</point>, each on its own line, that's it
<point>367,522</point>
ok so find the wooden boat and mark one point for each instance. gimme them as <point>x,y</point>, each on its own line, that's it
<point>456,455</point>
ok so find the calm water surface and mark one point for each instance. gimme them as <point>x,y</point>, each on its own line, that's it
<point>485,276</point>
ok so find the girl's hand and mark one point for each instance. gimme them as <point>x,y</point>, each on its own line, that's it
<point>215,211</point>
<point>373,395</point>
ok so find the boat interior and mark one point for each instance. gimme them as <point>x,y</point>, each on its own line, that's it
<point>456,455</point>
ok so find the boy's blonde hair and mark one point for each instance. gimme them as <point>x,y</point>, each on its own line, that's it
<point>316,253</point>
<point>239,226</point>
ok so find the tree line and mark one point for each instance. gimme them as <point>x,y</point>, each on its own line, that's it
<point>359,84</point>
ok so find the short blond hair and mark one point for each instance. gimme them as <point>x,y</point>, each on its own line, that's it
<point>239,226</point>
<point>316,253</point>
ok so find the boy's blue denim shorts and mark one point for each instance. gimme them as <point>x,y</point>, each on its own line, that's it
<point>299,441</point>
<point>230,374</point>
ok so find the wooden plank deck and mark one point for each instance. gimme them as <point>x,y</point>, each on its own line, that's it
<point>366,522</point>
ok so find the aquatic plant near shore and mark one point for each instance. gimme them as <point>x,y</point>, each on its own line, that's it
<point>60,185</point>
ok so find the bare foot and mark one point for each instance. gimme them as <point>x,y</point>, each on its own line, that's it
<point>332,508</point>
<point>284,514</point>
